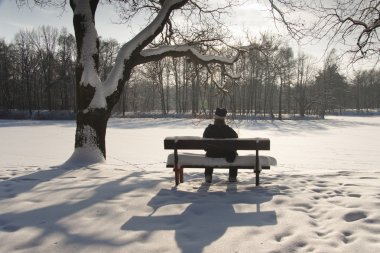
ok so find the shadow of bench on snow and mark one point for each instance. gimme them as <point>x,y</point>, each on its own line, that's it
<point>206,215</point>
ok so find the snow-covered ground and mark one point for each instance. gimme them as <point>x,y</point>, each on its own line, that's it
<point>324,195</point>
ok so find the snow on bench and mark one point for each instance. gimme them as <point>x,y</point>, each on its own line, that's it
<point>190,160</point>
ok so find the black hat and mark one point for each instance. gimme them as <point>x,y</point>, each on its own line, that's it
<point>220,113</point>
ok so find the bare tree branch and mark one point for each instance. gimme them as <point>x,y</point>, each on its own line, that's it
<point>350,23</point>
<point>155,54</point>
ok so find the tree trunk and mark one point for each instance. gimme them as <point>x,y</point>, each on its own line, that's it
<point>125,108</point>
<point>91,124</point>
<point>91,130</point>
<point>280,99</point>
<point>176,81</point>
<point>167,90</point>
<point>357,102</point>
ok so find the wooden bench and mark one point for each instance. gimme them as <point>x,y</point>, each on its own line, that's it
<point>180,161</point>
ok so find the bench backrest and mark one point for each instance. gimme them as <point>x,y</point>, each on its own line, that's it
<point>190,142</point>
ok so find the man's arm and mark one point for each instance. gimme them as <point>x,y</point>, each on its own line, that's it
<point>233,134</point>
<point>206,133</point>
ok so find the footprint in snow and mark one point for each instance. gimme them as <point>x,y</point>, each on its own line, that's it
<point>354,195</point>
<point>354,216</point>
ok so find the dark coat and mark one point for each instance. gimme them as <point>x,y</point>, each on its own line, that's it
<point>220,132</point>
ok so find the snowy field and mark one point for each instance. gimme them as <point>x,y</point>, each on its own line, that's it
<point>324,195</point>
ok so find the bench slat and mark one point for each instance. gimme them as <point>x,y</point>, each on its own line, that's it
<point>192,142</point>
<point>200,161</point>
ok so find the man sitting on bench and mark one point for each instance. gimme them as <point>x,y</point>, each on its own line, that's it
<point>220,130</point>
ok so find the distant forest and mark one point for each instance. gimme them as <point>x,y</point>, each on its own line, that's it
<point>37,73</point>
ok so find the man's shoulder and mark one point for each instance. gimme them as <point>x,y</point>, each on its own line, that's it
<point>208,130</point>
<point>232,131</point>
<point>210,126</point>
<point>227,126</point>
<point>222,127</point>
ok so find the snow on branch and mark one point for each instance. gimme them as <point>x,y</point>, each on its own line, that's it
<point>158,53</point>
<point>132,48</point>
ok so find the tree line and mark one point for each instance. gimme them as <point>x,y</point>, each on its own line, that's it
<point>37,72</point>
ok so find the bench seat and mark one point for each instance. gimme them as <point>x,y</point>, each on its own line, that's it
<point>188,160</point>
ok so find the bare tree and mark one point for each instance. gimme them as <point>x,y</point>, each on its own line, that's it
<point>66,77</point>
<point>44,40</point>
<point>27,66</point>
<point>6,65</point>
<point>155,74</point>
<point>365,90</point>
<point>285,66</point>
<point>351,23</point>
<point>305,78</point>
<point>107,55</point>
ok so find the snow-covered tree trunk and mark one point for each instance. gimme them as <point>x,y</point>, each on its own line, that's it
<point>91,122</point>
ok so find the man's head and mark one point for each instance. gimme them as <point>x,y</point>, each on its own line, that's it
<point>220,115</point>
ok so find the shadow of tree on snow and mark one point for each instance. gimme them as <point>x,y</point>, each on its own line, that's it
<point>47,219</point>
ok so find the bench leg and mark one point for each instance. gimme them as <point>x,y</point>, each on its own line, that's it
<point>181,175</point>
<point>176,175</point>
<point>257,166</point>
<point>257,177</point>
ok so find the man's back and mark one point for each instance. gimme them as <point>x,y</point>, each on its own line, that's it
<point>221,131</point>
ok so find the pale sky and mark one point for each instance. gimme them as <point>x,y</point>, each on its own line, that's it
<point>251,17</point>
<point>12,19</point>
